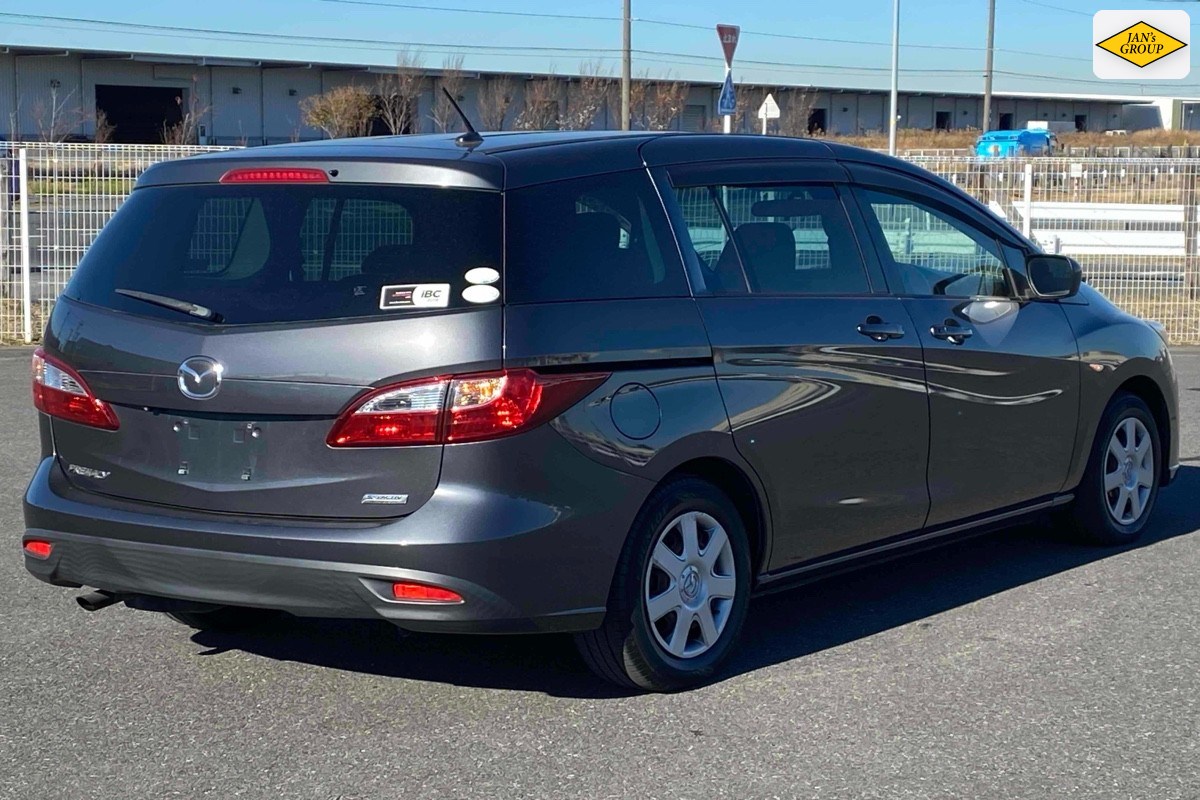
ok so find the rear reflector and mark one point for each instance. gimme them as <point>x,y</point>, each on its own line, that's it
<point>39,549</point>
<point>60,392</point>
<point>275,175</point>
<point>465,408</point>
<point>421,593</point>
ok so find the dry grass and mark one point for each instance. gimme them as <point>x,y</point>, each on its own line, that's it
<point>908,139</point>
<point>11,321</point>
<point>1150,138</point>
<point>1182,319</point>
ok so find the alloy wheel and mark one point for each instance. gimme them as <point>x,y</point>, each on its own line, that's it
<point>1129,471</point>
<point>690,585</point>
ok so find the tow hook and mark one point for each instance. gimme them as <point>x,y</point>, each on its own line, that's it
<point>94,601</point>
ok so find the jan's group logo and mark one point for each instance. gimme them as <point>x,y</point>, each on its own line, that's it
<point>1141,45</point>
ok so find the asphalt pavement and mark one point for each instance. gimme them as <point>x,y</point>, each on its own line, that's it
<point>1015,665</point>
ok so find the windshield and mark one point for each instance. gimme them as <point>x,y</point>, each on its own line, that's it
<point>279,253</point>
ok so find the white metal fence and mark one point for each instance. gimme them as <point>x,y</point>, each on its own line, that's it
<point>1134,224</point>
<point>54,199</point>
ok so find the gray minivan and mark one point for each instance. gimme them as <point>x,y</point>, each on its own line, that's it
<point>599,383</point>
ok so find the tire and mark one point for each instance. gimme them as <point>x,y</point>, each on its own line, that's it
<point>226,619</point>
<point>1110,513</point>
<point>631,651</point>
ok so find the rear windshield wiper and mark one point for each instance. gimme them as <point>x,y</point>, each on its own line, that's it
<point>182,306</point>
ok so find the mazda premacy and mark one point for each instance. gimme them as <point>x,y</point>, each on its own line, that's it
<point>607,384</point>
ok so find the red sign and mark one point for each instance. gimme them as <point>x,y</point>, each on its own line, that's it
<point>729,39</point>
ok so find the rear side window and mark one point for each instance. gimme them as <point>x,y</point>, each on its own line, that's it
<point>597,238</point>
<point>275,253</point>
<point>773,239</point>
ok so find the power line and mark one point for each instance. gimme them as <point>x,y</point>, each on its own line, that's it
<point>1057,8</point>
<point>391,45</point>
<point>693,26</point>
<point>493,12</point>
<point>340,41</point>
<point>651,56</point>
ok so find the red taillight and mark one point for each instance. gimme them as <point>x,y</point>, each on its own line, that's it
<point>405,413</point>
<point>39,549</point>
<point>60,392</point>
<point>423,593</point>
<point>467,408</point>
<point>275,175</point>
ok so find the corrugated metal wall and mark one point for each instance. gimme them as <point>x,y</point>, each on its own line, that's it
<point>249,104</point>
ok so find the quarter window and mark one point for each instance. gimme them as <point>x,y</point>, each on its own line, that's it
<point>598,238</point>
<point>773,239</point>
<point>934,253</point>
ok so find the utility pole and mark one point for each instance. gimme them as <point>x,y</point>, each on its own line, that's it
<point>895,76</point>
<point>626,67</point>
<point>987,74</point>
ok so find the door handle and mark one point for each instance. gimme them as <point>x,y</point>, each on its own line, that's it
<point>880,331</point>
<point>954,334</point>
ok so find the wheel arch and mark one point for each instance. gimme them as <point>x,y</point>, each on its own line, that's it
<point>1149,392</point>
<point>747,496</point>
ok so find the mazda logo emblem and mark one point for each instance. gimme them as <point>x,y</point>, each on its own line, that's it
<point>200,377</point>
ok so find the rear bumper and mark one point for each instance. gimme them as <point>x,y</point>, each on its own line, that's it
<point>303,587</point>
<point>521,562</point>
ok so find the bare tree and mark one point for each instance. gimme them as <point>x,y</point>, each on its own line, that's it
<point>187,130</point>
<point>341,112</point>
<point>57,119</point>
<point>750,99</point>
<point>14,120</point>
<point>494,99</point>
<point>540,112</point>
<point>399,92</point>
<point>104,128</point>
<point>445,118</point>
<point>587,97</point>
<point>795,112</point>
<point>638,90</point>
<point>664,103</point>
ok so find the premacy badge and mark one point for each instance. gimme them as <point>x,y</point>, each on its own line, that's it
<point>1141,45</point>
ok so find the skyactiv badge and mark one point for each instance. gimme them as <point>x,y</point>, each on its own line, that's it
<point>1141,45</point>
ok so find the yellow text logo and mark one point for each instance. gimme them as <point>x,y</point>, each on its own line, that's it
<point>1141,44</point>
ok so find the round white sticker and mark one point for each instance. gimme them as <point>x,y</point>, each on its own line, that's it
<point>482,275</point>
<point>480,294</point>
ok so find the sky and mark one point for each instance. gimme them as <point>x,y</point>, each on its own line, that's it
<point>1042,45</point>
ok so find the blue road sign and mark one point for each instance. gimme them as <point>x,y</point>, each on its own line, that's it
<point>727,102</point>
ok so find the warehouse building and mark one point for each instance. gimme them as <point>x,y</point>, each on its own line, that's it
<point>57,93</point>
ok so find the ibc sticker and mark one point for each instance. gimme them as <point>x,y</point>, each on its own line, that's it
<point>420,295</point>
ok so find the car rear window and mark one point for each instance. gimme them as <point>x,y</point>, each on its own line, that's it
<point>274,253</point>
<point>602,237</point>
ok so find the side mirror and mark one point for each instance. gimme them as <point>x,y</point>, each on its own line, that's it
<point>1052,277</point>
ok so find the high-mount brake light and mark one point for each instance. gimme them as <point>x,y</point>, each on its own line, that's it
<point>275,175</point>
<point>463,408</point>
<point>60,392</point>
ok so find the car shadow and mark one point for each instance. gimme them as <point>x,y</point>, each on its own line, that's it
<point>781,627</point>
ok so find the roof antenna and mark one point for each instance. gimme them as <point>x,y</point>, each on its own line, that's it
<point>471,138</point>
